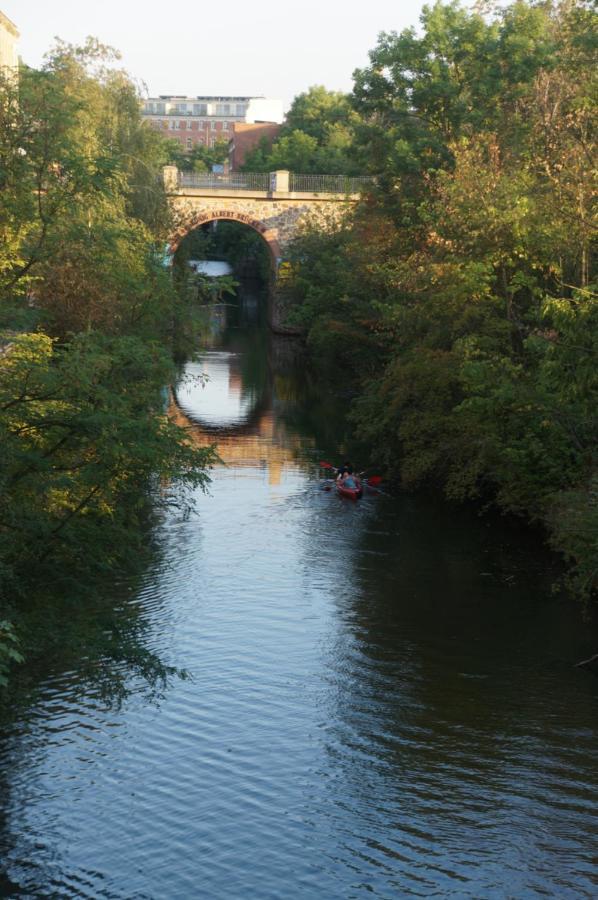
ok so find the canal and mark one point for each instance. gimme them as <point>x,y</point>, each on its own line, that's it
<point>373,699</point>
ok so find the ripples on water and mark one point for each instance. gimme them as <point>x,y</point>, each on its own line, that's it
<point>382,703</point>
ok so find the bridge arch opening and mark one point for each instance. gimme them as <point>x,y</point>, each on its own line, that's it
<point>202,219</point>
<point>206,242</point>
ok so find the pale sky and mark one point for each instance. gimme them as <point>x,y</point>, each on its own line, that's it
<point>229,47</point>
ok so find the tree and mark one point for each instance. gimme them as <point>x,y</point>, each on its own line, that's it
<point>199,159</point>
<point>470,295</point>
<point>70,142</point>
<point>317,111</point>
<point>463,75</point>
<point>88,321</point>
<point>316,138</point>
<point>82,430</point>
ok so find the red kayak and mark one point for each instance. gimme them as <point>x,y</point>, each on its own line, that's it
<point>352,493</point>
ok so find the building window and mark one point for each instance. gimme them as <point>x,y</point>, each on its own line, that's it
<point>172,124</point>
<point>225,126</point>
<point>213,126</point>
<point>240,109</point>
<point>189,143</point>
<point>160,108</point>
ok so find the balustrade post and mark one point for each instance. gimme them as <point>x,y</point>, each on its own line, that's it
<point>170,174</point>
<point>279,182</point>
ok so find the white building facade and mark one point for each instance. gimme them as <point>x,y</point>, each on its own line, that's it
<point>9,38</point>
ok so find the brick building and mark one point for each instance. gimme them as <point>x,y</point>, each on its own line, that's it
<point>245,137</point>
<point>206,120</point>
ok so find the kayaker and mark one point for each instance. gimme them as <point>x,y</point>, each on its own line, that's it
<point>345,469</point>
<point>349,481</point>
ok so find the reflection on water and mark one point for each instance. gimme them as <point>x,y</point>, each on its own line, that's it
<point>227,403</point>
<point>235,396</point>
<point>381,703</point>
<point>214,269</point>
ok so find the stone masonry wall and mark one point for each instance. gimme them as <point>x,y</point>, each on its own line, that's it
<point>277,220</point>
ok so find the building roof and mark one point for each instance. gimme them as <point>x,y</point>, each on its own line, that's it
<point>206,97</point>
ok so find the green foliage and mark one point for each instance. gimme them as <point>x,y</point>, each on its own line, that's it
<point>80,288</point>
<point>464,74</point>
<point>318,110</point>
<point>71,146</point>
<point>9,655</point>
<point>317,137</point>
<point>89,322</point>
<point>464,287</point>
<point>199,159</point>
<point>573,521</point>
<point>83,432</point>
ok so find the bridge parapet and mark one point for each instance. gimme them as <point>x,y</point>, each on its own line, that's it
<point>280,184</point>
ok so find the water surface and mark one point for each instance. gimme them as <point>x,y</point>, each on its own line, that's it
<point>381,699</point>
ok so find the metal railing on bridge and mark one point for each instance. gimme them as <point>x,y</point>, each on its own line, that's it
<point>234,181</point>
<point>329,184</point>
<point>264,181</point>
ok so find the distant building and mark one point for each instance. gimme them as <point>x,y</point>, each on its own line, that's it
<point>206,120</point>
<point>9,37</point>
<point>247,136</point>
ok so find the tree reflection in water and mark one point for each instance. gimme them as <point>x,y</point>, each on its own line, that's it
<point>93,632</point>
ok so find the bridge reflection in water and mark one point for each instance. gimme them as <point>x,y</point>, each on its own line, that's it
<point>228,396</point>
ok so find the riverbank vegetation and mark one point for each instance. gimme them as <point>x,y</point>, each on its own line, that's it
<point>459,303</point>
<point>89,320</point>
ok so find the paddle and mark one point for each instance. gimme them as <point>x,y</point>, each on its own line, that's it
<point>327,465</point>
<point>372,483</point>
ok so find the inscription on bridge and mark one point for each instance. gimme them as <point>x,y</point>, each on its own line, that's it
<point>229,214</point>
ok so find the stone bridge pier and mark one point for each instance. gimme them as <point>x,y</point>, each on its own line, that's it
<point>276,205</point>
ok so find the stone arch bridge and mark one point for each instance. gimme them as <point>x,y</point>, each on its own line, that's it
<point>275,205</point>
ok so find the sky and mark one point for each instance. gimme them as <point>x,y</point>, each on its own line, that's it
<point>191,47</point>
